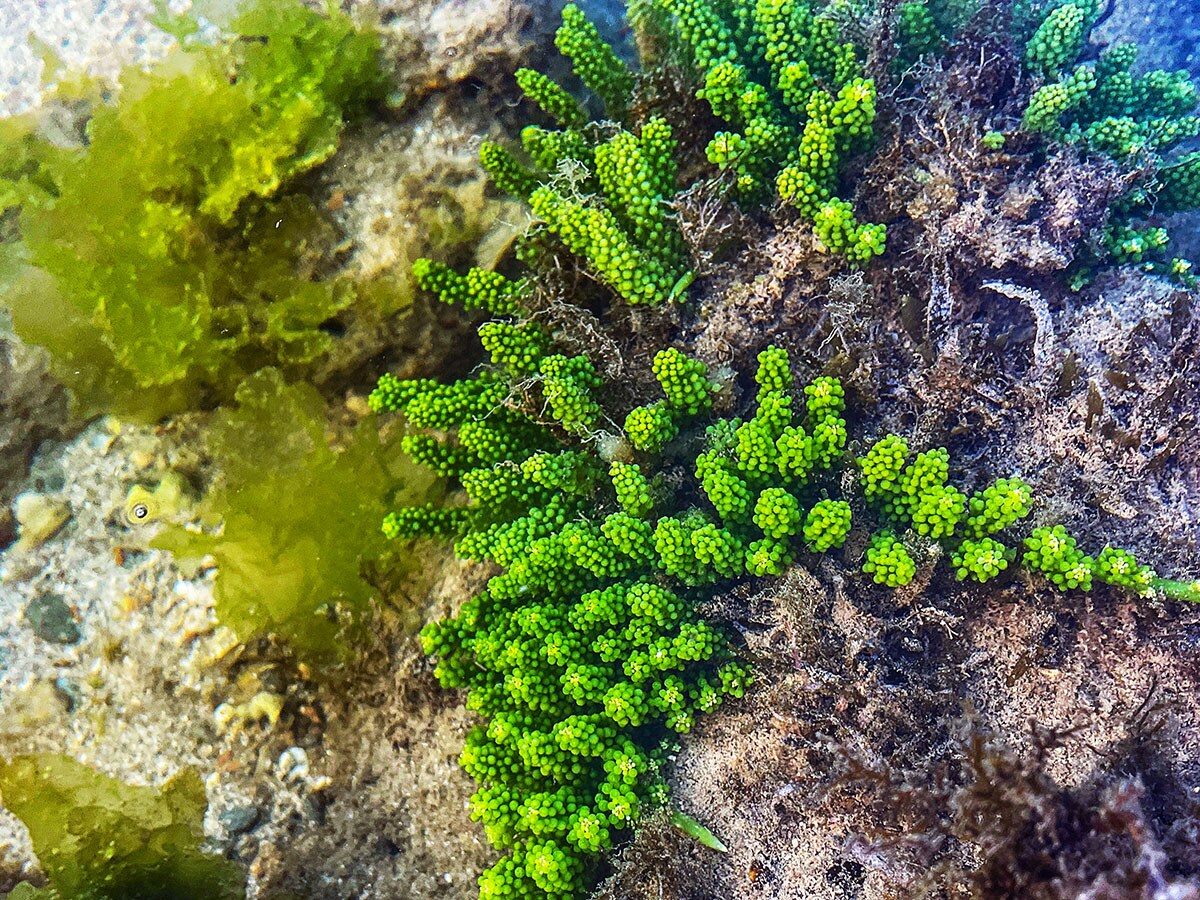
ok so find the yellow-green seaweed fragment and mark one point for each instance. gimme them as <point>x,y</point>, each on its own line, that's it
<point>98,838</point>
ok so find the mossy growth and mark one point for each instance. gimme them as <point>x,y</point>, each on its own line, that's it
<point>100,839</point>
<point>924,28</point>
<point>917,33</point>
<point>291,520</point>
<point>165,261</point>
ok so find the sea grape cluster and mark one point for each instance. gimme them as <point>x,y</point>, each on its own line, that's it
<point>918,498</point>
<point>796,99</point>
<point>918,33</point>
<point>586,647</point>
<point>779,75</point>
<point>586,651</point>
<point>1140,119</point>
<point>1054,553</point>
<point>603,189</point>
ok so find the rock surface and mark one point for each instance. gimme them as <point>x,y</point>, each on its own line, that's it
<point>33,409</point>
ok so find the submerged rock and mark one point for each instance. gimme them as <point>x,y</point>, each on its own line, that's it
<point>33,409</point>
<point>51,619</point>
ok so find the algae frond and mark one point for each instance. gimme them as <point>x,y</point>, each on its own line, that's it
<point>100,839</point>
<point>168,258</point>
<point>293,518</point>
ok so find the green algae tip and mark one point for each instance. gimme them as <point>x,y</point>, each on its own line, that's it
<point>694,829</point>
<point>1178,590</point>
<point>681,286</point>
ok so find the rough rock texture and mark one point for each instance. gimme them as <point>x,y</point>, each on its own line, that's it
<point>1165,31</point>
<point>90,36</point>
<point>33,409</point>
<point>397,820</point>
<point>938,741</point>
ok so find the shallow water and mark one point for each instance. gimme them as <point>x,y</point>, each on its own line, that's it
<point>1007,739</point>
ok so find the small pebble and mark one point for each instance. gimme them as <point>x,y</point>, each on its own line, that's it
<point>292,765</point>
<point>70,692</point>
<point>50,618</point>
<point>239,819</point>
<point>38,517</point>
